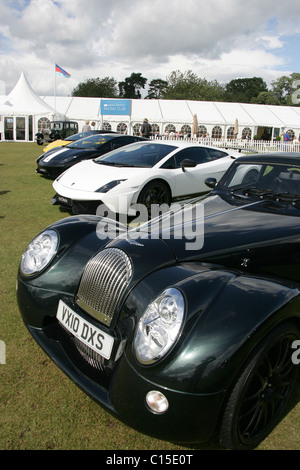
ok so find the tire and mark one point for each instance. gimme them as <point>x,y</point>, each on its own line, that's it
<point>261,393</point>
<point>155,193</point>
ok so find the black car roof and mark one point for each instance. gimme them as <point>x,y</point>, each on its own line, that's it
<point>274,157</point>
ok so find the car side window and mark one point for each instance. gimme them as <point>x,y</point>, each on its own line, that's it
<point>197,154</point>
<point>117,143</point>
<point>214,154</point>
<point>169,164</point>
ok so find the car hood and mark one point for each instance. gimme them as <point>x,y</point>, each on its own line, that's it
<point>55,144</point>
<point>65,154</point>
<point>214,229</point>
<point>90,176</point>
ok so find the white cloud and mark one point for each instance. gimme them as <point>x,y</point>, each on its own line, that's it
<point>95,38</point>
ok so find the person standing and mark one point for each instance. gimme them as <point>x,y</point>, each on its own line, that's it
<point>86,126</point>
<point>145,130</point>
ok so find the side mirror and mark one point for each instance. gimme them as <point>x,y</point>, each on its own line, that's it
<point>187,163</point>
<point>211,182</point>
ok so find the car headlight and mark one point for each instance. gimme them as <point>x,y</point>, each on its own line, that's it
<point>39,253</point>
<point>107,187</point>
<point>159,327</point>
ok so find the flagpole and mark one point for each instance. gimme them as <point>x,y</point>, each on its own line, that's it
<point>55,90</point>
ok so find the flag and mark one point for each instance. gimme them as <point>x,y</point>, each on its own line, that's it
<point>62,71</point>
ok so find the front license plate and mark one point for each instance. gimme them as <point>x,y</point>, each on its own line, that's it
<point>87,333</point>
<point>64,200</point>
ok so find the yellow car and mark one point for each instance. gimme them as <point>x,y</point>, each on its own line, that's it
<point>56,143</point>
<point>72,138</point>
<point>68,140</point>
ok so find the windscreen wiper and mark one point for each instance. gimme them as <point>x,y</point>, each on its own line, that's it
<point>293,199</point>
<point>248,191</point>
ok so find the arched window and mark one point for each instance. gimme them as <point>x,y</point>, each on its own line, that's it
<point>291,133</point>
<point>170,128</point>
<point>106,126</point>
<point>122,128</point>
<point>44,125</point>
<point>136,129</point>
<point>186,129</point>
<point>202,131</point>
<point>230,133</point>
<point>216,132</point>
<point>246,133</point>
<point>154,130</point>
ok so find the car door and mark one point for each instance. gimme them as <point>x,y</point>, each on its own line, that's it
<point>191,179</point>
<point>187,179</point>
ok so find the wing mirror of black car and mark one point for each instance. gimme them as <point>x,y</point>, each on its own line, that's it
<point>211,182</point>
<point>187,163</point>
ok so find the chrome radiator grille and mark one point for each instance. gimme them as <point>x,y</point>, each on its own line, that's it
<point>103,283</point>
<point>90,356</point>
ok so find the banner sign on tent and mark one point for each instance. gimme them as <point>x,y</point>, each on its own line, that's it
<point>115,107</point>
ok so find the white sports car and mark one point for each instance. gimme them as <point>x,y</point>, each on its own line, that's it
<point>156,172</point>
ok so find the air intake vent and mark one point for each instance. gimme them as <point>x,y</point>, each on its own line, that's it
<point>104,281</point>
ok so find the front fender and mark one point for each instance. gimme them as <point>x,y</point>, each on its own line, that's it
<point>38,295</point>
<point>227,313</point>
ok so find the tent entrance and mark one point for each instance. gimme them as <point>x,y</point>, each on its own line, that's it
<point>18,128</point>
<point>264,133</point>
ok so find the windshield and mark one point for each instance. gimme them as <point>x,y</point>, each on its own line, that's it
<point>80,135</point>
<point>91,141</point>
<point>144,155</point>
<point>263,179</point>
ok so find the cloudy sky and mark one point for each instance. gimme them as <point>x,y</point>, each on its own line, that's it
<point>218,40</point>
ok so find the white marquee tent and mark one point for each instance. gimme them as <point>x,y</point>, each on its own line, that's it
<point>21,110</point>
<point>23,113</point>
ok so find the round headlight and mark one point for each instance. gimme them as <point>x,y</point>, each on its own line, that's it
<point>159,326</point>
<point>39,253</point>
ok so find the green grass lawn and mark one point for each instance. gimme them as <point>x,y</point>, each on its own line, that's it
<point>40,408</point>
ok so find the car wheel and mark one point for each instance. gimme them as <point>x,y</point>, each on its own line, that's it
<point>262,391</point>
<point>156,192</point>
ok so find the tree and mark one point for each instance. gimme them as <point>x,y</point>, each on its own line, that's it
<point>188,86</point>
<point>95,87</point>
<point>243,90</point>
<point>284,88</point>
<point>130,87</point>
<point>157,89</point>
<point>265,97</point>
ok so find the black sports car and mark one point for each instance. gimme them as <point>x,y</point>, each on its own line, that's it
<point>189,324</point>
<point>55,161</point>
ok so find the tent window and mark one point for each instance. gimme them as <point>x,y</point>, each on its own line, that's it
<point>230,133</point>
<point>30,128</point>
<point>20,128</point>
<point>202,131</point>
<point>9,128</point>
<point>122,128</point>
<point>246,133</point>
<point>186,128</point>
<point>44,125</point>
<point>106,126</point>
<point>154,129</point>
<point>136,129</point>
<point>216,132</point>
